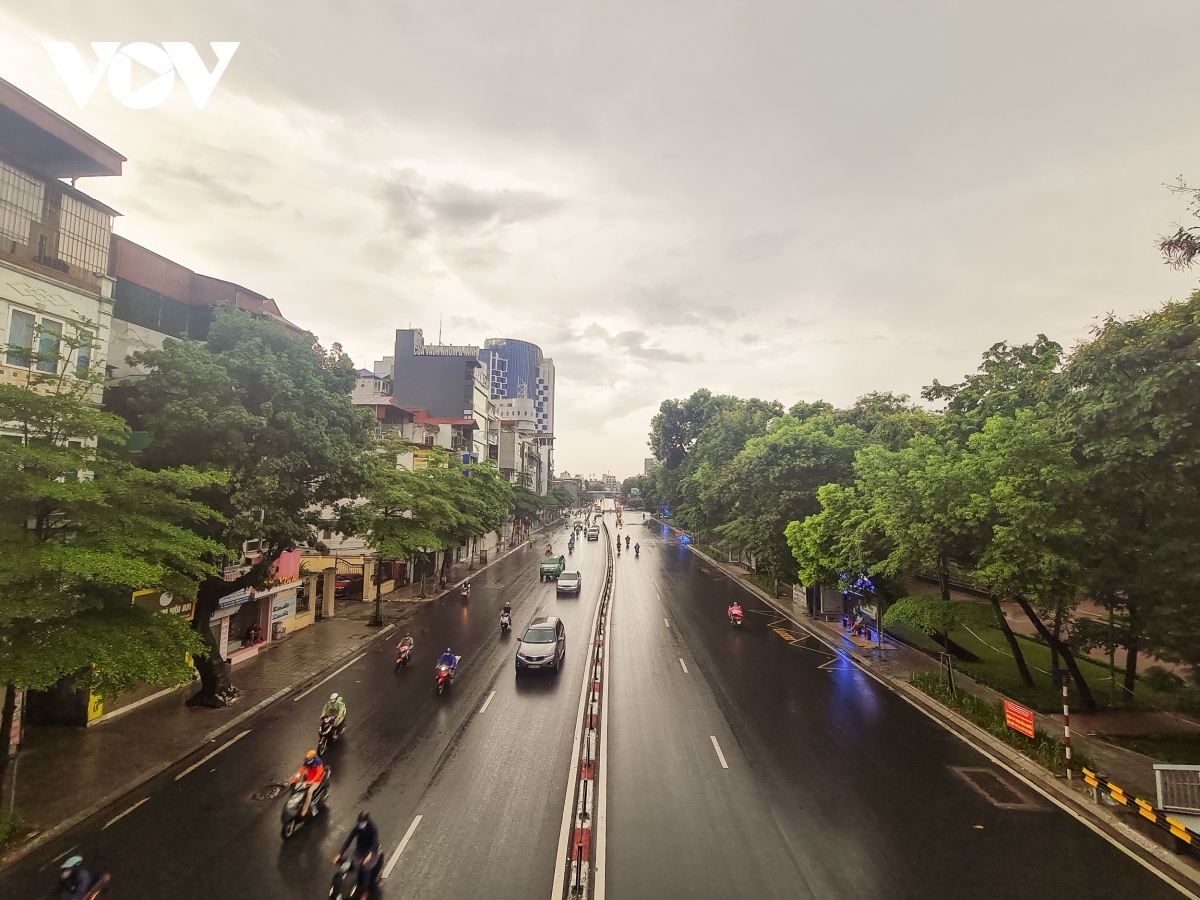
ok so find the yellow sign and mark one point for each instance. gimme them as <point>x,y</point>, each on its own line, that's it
<point>95,707</point>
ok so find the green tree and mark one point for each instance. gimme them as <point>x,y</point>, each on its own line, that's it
<point>1132,406</point>
<point>271,407</point>
<point>1030,489</point>
<point>82,529</point>
<point>559,497</point>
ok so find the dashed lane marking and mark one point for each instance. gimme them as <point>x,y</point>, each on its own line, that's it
<point>665,622</point>
<point>717,747</point>
<point>486,702</point>
<point>400,849</point>
<point>327,677</point>
<point>225,745</point>
<point>684,665</point>
<point>120,816</point>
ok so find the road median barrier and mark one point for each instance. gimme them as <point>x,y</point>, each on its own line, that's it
<point>1184,837</point>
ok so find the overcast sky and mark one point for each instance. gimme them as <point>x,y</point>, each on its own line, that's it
<point>792,200</point>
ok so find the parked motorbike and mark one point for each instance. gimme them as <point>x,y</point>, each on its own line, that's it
<point>445,677</point>
<point>290,815</point>
<point>328,732</point>
<point>346,879</point>
<point>505,622</point>
<point>403,652</point>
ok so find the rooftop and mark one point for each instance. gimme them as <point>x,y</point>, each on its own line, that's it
<point>39,139</point>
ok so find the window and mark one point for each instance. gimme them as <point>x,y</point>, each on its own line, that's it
<point>21,200</point>
<point>83,358</point>
<point>326,534</point>
<point>49,345</point>
<point>84,234</point>
<point>20,334</point>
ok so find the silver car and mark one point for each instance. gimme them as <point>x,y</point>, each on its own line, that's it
<point>569,583</point>
<point>543,646</point>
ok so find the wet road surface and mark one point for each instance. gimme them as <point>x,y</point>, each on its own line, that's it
<point>742,763</point>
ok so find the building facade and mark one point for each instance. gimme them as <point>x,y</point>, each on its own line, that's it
<point>517,371</point>
<point>56,297</point>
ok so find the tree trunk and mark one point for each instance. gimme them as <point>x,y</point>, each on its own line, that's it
<point>216,687</point>
<point>10,707</point>
<point>1013,644</point>
<point>1131,660</point>
<point>943,571</point>
<point>1085,692</point>
<point>1057,637</point>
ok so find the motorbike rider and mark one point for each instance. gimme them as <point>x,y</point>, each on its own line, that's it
<point>312,771</point>
<point>406,641</point>
<point>466,589</point>
<point>335,706</point>
<point>626,542</point>
<point>448,659</point>
<point>735,610</point>
<point>365,838</point>
<point>74,881</point>
<point>506,609</point>
<point>637,549</point>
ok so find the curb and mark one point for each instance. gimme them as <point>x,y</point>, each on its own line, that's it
<point>1097,819</point>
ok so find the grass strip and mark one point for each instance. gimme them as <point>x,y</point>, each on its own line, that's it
<point>1047,751</point>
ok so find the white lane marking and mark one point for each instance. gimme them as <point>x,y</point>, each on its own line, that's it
<point>387,870</point>
<point>327,677</point>
<point>65,853</point>
<point>120,816</point>
<point>386,630</point>
<point>197,765</point>
<point>717,747</point>
<point>483,708</point>
<point>599,831</point>
<point>684,665</point>
<point>665,622</point>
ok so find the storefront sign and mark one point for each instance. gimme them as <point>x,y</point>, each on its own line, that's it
<point>164,601</point>
<point>283,607</point>
<point>237,598</point>
<point>1018,718</point>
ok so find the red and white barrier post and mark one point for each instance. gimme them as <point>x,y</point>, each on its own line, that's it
<point>1066,724</point>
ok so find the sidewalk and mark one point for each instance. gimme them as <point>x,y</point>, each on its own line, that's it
<point>67,774</point>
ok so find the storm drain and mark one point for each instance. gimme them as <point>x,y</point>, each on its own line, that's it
<point>270,792</point>
<point>995,789</point>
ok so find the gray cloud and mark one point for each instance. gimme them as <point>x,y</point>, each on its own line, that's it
<point>415,206</point>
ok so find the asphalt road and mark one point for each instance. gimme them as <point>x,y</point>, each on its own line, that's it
<point>835,786</point>
<point>488,785</point>
<point>742,763</point>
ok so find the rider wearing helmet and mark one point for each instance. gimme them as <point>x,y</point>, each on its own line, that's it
<point>365,838</point>
<point>312,773</point>
<point>74,881</point>
<point>448,659</point>
<point>335,706</point>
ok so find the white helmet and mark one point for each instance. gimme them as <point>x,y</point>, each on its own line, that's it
<point>333,696</point>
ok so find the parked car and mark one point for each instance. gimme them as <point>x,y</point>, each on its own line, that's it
<point>543,646</point>
<point>569,583</point>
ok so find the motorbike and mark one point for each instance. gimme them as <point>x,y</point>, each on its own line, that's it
<point>328,732</point>
<point>403,652</point>
<point>445,677</point>
<point>735,617</point>
<point>466,591</point>
<point>290,815</point>
<point>346,879</point>
<point>505,622</point>
<point>637,552</point>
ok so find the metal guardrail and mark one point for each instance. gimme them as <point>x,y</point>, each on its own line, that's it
<point>1184,836</point>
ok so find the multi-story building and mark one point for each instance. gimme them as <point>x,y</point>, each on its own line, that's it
<point>156,298</point>
<point>648,465</point>
<point>55,290</point>
<point>611,484</point>
<point>447,381</point>
<point>521,383</point>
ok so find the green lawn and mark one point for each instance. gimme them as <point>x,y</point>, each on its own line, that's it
<point>997,669</point>
<point>1180,749</point>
